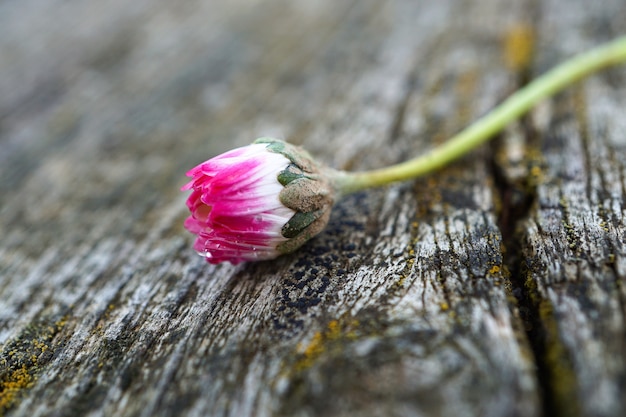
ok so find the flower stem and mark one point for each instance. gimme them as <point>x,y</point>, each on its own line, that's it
<point>486,127</point>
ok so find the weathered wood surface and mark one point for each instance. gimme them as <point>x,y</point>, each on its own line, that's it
<point>495,287</point>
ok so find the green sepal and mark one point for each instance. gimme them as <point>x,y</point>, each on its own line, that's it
<point>288,175</point>
<point>299,222</point>
<point>298,156</point>
<point>274,145</point>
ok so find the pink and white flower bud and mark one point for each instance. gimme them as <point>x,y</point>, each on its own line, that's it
<point>256,202</point>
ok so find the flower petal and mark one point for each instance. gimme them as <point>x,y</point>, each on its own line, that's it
<point>235,207</point>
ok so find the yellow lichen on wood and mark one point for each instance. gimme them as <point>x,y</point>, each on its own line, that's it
<point>333,330</point>
<point>317,346</point>
<point>465,90</point>
<point>536,172</point>
<point>562,375</point>
<point>494,270</point>
<point>518,47</point>
<point>11,387</point>
<point>562,383</point>
<point>21,360</point>
<point>312,350</point>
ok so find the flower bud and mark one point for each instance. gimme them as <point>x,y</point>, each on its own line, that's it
<point>257,202</point>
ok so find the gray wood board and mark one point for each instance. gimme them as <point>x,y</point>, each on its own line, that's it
<point>494,287</point>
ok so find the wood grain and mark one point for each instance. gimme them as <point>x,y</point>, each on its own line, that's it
<point>492,288</point>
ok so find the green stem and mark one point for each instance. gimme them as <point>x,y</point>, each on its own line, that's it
<point>493,122</point>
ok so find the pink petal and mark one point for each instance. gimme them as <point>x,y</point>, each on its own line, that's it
<point>235,208</point>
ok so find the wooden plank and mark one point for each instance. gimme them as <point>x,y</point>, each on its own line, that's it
<point>573,238</point>
<point>403,306</point>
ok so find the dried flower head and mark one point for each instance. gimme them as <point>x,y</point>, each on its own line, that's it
<point>257,202</point>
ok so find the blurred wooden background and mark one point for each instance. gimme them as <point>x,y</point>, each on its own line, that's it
<point>496,287</point>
